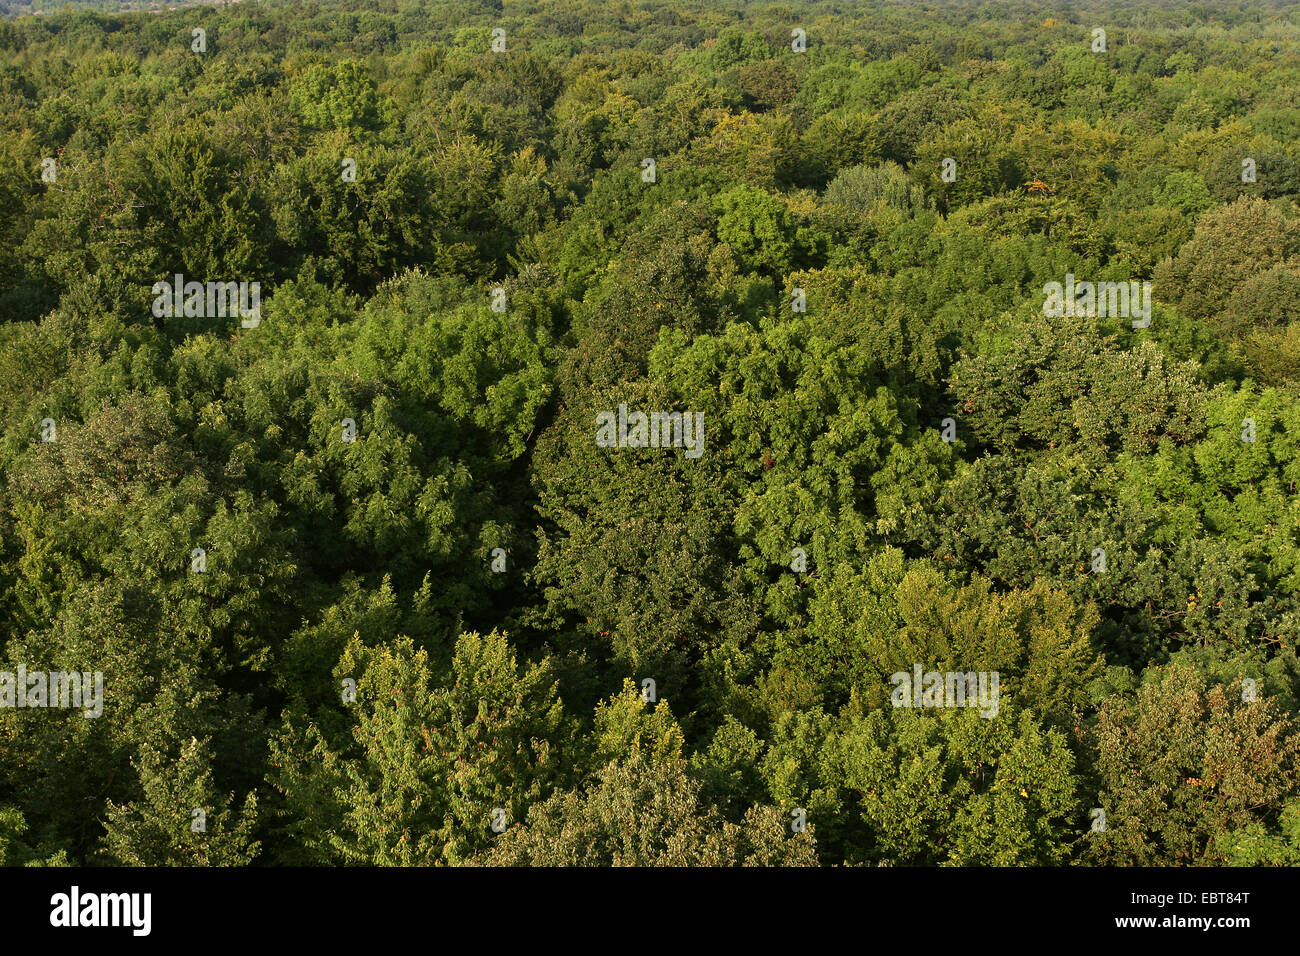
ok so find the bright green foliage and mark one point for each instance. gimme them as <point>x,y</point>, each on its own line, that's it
<point>339,95</point>
<point>864,627</point>
<point>429,760</point>
<point>758,228</point>
<point>957,788</point>
<point>626,728</point>
<point>163,829</point>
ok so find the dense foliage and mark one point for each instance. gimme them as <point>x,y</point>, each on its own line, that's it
<point>427,641</point>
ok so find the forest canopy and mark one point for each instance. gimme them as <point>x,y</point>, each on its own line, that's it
<point>658,433</point>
